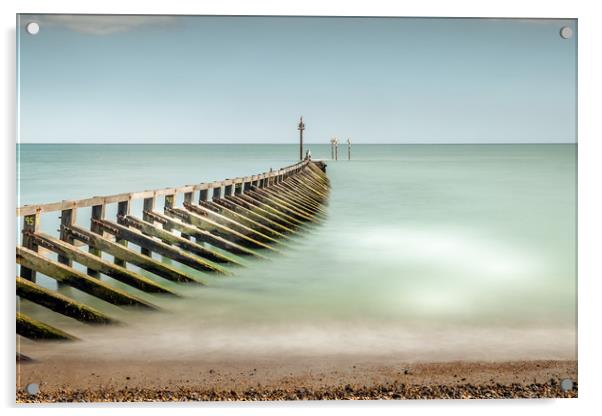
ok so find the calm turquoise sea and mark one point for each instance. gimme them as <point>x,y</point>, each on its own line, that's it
<point>450,251</point>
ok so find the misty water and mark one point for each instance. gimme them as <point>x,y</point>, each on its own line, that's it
<point>427,252</point>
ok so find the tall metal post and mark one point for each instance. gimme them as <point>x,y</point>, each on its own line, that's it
<point>301,127</point>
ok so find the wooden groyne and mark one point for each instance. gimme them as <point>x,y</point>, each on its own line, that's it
<point>210,233</point>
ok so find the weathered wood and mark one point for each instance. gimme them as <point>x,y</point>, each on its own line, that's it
<point>31,224</point>
<point>67,219</point>
<point>217,193</point>
<point>248,212</point>
<point>182,243</point>
<point>321,195</point>
<point>187,200</point>
<point>78,280</point>
<point>204,210</point>
<point>130,196</point>
<point>300,198</point>
<point>33,329</point>
<point>228,209</point>
<point>130,256</point>
<point>169,203</point>
<point>60,303</point>
<point>279,204</point>
<point>159,247</point>
<point>201,219</point>
<point>279,213</point>
<point>100,265</point>
<point>98,213</point>
<point>224,233</point>
<point>180,221</point>
<point>265,212</point>
<point>123,209</point>
<point>228,190</point>
<point>288,201</point>
<point>302,191</point>
<point>203,195</point>
<point>148,206</point>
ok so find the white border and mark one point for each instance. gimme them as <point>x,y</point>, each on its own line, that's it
<point>590,159</point>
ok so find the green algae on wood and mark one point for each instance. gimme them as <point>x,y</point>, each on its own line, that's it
<point>33,329</point>
<point>183,243</point>
<point>78,280</point>
<point>100,265</point>
<point>60,303</point>
<point>130,256</point>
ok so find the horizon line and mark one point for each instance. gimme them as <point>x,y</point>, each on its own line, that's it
<point>291,144</point>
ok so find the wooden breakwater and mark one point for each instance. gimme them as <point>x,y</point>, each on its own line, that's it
<point>210,231</point>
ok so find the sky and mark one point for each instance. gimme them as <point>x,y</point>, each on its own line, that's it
<point>216,79</point>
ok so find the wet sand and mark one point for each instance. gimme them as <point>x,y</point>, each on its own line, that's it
<point>290,378</point>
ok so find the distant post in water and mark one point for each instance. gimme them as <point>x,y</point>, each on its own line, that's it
<point>301,127</point>
<point>336,149</point>
<point>348,149</point>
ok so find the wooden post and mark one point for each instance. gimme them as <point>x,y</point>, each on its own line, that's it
<point>188,196</point>
<point>228,190</point>
<point>98,213</point>
<point>217,193</point>
<point>169,203</point>
<point>149,206</point>
<point>203,195</point>
<point>67,219</point>
<point>336,149</point>
<point>31,224</point>
<point>123,209</point>
<point>348,149</point>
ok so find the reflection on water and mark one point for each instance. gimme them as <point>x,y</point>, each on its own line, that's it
<point>451,251</point>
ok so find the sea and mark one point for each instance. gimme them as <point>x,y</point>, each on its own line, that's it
<point>427,253</point>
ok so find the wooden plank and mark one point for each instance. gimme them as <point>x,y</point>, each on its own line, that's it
<point>148,205</point>
<point>60,303</point>
<point>187,200</point>
<point>180,221</point>
<point>277,203</point>
<point>98,213</point>
<point>249,211</point>
<point>200,219</point>
<point>256,235</point>
<point>287,201</point>
<point>78,280</point>
<point>203,195</point>
<point>289,221</point>
<point>217,193</point>
<point>110,199</point>
<point>303,194</point>
<point>182,243</point>
<point>202,224</point>
<point>130,256</point>
<point>159,247</point>
<point>100,265</point>
<point>33,329</point>
<point>31,225</point>
<point>199,235</point>
<point>123,209</point>
<point>169,203</point>
<point>228,209</point>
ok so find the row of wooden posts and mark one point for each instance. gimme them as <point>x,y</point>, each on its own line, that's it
<point>231,219</point>
<point>334,149</point>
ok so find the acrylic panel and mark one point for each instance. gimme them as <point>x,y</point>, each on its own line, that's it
<point>290,208</point>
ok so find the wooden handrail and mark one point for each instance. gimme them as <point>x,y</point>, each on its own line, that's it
<point>129,196</point>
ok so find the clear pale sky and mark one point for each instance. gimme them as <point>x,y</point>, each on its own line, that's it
<point>203,79</point>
